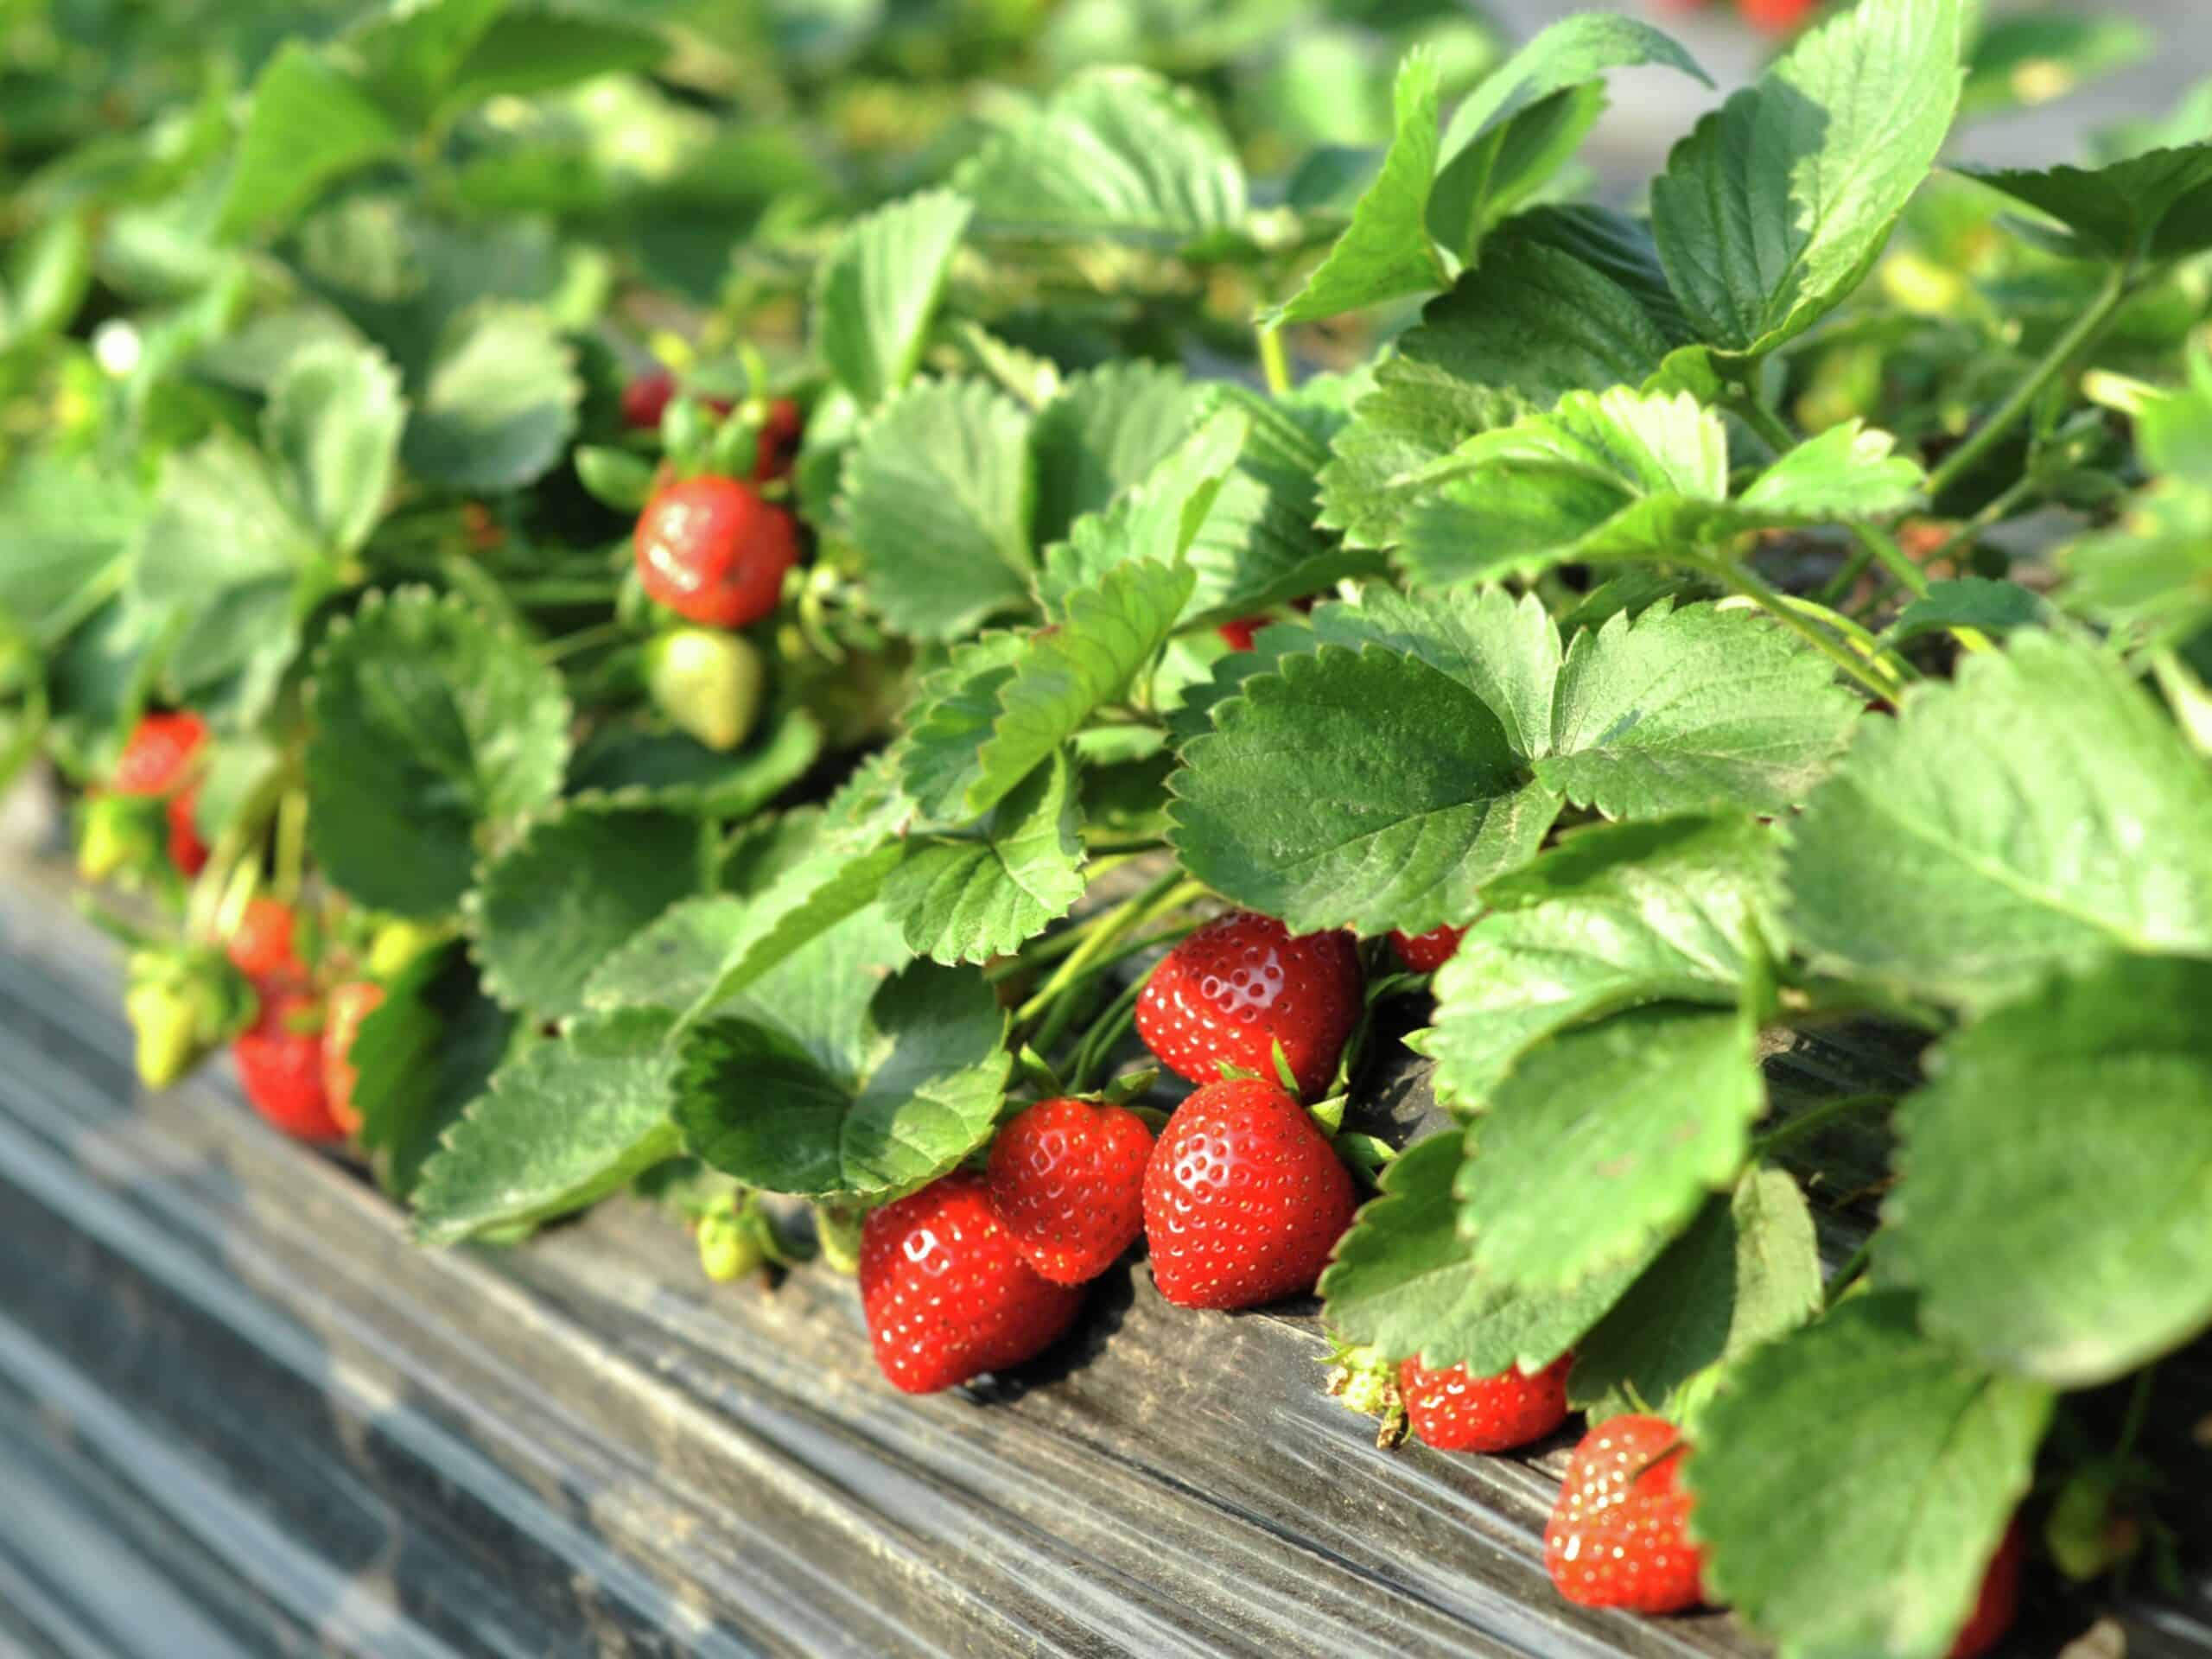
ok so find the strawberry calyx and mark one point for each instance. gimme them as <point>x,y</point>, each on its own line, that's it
<point>183,1003</point>
<point>1365,1379</point>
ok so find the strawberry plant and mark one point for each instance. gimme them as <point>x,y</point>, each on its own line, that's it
<point>785,649</point>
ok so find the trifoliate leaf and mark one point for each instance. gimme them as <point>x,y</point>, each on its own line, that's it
<point>1846,472</point>
<point>874,294</point>
<point>425,1051</point>
<point>982,894</point>
<point>578,884</point>
<point>1507,650</point>
<point>2038,811</point>
<point>563,1125</point>
<point>915,1090</point>
<point>498,403</point>
<point>1601,1143</point>
<point>309,123</point>
<point>432,727</point>
<point>1694,708</point>
<point>1775,207</point>
<point>1116,154</point>
<point>1404,1280</point>
<point>937,495</point>
<point>1852,1480</point>
<point>1614,916</point>
<point>1155,518</point>
<point>672,770</point>
<point>2057,1176</point>
<point>1967,603</point>
<point>1105,432</point>
<point>333,425</point>
<point>1745,1272</point>
<point>2157,205</point>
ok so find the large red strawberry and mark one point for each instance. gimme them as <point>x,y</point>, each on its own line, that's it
<point>1067,1183</point>
<point>186,851</point>
<point>1618,1535</point>
<point>1244,1199</point>
<point>1777,16</point>
<point>350,1003</point>
<point>280,1066</point>
<point>1424,953</point>
<point>714,552</point>
<point>157,756</point>
<point>1240,985</point>
<point>261,946</point>
<point>1455,1412</point>
<point>946,1295</point>
<point>1999,1601</point>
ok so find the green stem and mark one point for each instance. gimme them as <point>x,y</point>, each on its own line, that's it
<point>1846,578</point>
<point>1097,1041</point>
<point>1894,559</point>
<point>1847,1275</point>
<point>1274,362</point>
<point>1763,421</point>
<point>2010,413</point>
<point>1779,605</point>
<point>1099,936</point>
<point>603,633</point>
<point>1815,1118</point>
<point>1997,508</point>
<point>2138,1413</point>
<point>1894,667</point>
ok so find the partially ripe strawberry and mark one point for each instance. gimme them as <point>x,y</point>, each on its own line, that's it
<point>1067,1183</point>
<point>646,399</point>
<point>1244,1198</point>
<point>1424,953</point>
<point>946,1295</point>
<point>1454,1412</point>
<point>261,947</point>
<point>280,1066</point>
<point>157,756</point>
<point>780,431</point>
<point>1240,985</point>
<point>714,552</point>
<point>1999,1601</point>
<point>186,851</point>
<point>350,1004</point>
<point>1618,1535</point>
<point>1237,632</point>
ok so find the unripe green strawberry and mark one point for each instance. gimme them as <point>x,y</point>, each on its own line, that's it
<point>708,682</point>
<point>117,835</point>
<point>727,1248</point>
<point>398,944</point>
<point>180,1005</point>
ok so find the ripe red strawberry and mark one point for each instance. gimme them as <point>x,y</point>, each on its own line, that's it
<point>1619,1535</point>
<point>1454,1412</point>
<point>1999,1601</point>
<point>186,851</point>
<point>646,399</point>
<point>350,1004</point>
<point>261,948</point>
<point>714,552</point>
<point>1240,985</point>
<point>1238,630</point>
<point>1243,1199</point>
<point>158,754</point>
<point>1067,1184</point>
<point>946,1295</point>
<point>280,1066</point>
<point>1424,953</point>
<point>1777,16</point>
<point>779,443</point>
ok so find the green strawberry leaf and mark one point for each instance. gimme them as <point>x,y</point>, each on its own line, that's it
<point>1851,1482</point>
<point>1403,1280</point>
<point>1967,603</point>
<point>2151,573</point>
<point>908,1093</point>
<point>982,893</point>
<point>498,403</point>
<point>562,1124</point>
<point>408,57</point>
<point>874,294</point>
<point>333,426</point>
<point>1601,1143</point>
<point>1156,519</point>
<point>1776,206</point>
<point>1613,917</point>
<point>425,1051</point>
<point>1514,131</point>
<point>309,123</point>
<point>672,770</point>
<point>540,49</point>
<point>2152,207</point>
<point>433,728</point>
<point>1105,432</point>
<point>1745,1272</point>
<point>70,529</point>
<point>937,498</point>
<point>2070,1256</point>
<point>1693,708</point>
<point>1114,155</point>
<point>2035,812</point>
<point>576,885</point>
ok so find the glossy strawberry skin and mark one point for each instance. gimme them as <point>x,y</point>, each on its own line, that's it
<point>349,1005</point>
<point>1237,632</point>
<point>158,755</point>
<point>186,851</point>
<point>1454,1412</point>
<point>261,947</point>
<point>1424,953</point>
<point>280,1067</point>
<point>1067,1183</point>
<point>714,552</point>
<point>1240,984</point>
<point>1618,1535</point>
<point>1777,16</point>
<point>1243,1199</point>
<point>779,443</point>
<point>1997,1603</point>
<point>946,1295</point>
